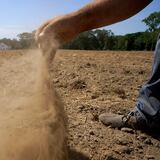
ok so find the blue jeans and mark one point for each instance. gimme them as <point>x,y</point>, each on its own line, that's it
<point>148,102</point>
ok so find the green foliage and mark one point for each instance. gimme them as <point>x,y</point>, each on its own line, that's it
<point>14,43</point>
<point>95,40</point>
<point>153,21</point>
<point>26,40</point>
<point>106,40</point>
<point>92,40</point>
<point>84,41</point>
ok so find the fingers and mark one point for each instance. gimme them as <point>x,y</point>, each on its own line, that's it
<point>45,38</point>
<point>40,30</point>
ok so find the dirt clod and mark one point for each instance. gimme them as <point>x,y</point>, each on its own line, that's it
<point>79,84</point>
<point>128,130</point>
<point>148,141</point>
<point>123,149</point>
<point>149,157</point>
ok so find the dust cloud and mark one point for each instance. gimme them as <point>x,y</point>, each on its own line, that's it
<point>31,113</point>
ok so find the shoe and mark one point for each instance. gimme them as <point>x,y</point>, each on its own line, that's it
<point>132,120</point>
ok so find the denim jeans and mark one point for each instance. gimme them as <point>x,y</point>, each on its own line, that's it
<point>148,102</point>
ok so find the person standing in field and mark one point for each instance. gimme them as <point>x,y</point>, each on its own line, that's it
<point>146,113</point>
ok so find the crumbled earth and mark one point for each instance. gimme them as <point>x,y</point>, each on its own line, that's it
<point>94,82</point>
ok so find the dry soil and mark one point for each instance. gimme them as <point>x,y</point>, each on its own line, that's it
<point>91,83</point>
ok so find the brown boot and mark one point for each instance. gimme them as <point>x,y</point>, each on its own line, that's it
<point>120,121</point>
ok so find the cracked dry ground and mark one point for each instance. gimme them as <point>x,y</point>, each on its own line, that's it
<point>91,83</point>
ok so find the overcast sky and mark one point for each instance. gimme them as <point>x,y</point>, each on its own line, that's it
<point>17,16</point>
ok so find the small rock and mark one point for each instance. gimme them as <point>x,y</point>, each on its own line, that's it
<point>81,108</point>
<point>122,141</point>
<point>101,136</point>
<point>140,151</point>
<point>157,145</point>
<point>78,84</point>
<point>56,80</point>
<point>96,140</point>
<point>148,141</point>
<point>88,64</point>
<point>91,133</point>
<point>102,99</point>
<point>142,137</point>
<point>140,146</point>
<point>110,156</point>
<point>88,91</point>
<point>149,157</point>
<point>124,149</point>
<point>94,96</point>
<point>95,117</point>
<point>79,135</point>
<point>92,146</point>
<point>128,130</point>
<point>120,113</point>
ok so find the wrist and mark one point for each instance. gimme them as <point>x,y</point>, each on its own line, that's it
<point>64,28</point>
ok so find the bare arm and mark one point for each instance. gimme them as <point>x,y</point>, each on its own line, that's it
<point>105,12</point>
<point>96,14</point>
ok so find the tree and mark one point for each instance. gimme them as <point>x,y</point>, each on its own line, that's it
<point>85,41</point>
<point>152,21</point>
<point>93,40</point>
<point>26,40</point>
<point>105,39</point>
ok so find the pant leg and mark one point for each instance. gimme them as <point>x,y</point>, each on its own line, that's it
<point>148,102</point>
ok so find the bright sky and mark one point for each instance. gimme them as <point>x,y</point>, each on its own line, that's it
<point>17,16</point>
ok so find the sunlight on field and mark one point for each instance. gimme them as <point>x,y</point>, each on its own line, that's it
<point>10,53</point>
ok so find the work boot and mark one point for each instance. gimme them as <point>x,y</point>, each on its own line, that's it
<point>132,120</point>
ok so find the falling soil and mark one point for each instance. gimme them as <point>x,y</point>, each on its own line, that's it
<point>31,116</point>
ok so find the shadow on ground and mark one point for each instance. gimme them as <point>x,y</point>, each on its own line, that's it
<point>153,133</point>
<point>74,155</point>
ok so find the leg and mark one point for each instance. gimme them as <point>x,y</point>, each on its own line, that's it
<point>147,110</point>
<point>148,103</point>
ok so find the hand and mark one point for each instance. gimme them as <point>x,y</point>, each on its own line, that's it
<point>46,39</point>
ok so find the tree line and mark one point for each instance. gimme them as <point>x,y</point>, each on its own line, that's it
<point>101,39</point>
<point>106,40</point>
<point>24,41</point>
